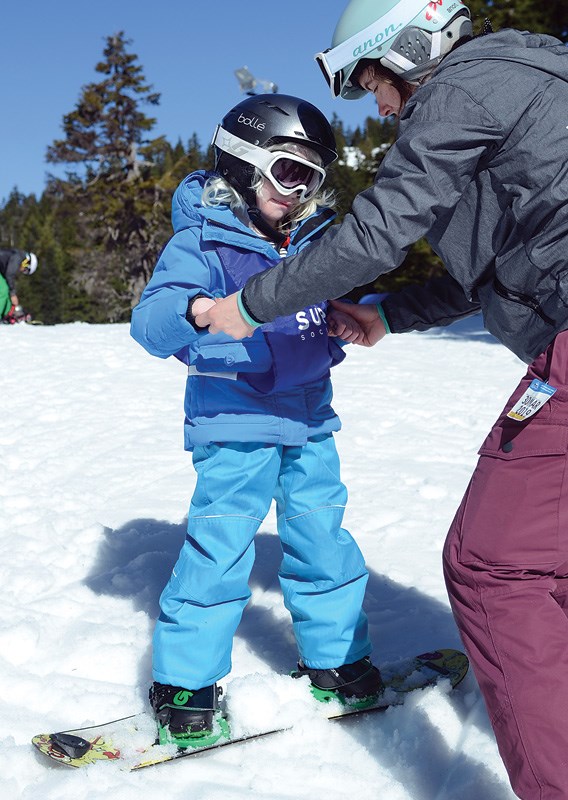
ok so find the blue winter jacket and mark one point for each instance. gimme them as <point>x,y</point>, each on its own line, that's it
<point>273,387</point>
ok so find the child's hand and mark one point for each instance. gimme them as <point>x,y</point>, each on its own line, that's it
<point>366,316</point>
<point>200,306</point>
<point>343,326</point>
<point>224,317</point>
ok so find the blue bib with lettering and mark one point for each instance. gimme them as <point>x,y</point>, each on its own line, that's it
<point>302,351</point>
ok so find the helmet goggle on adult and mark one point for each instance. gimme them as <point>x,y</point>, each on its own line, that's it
<point>287,172</point>
<point>260,132</point>
<point>29,264</point>
<point>409,37</point>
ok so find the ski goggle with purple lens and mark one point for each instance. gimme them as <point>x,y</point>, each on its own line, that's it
<point>287,172</point>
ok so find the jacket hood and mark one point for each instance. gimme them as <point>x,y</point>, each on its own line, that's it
<point>532,49</point>
<point>188,211</point>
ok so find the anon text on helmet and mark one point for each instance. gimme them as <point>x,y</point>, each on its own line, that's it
<point>407,37</point>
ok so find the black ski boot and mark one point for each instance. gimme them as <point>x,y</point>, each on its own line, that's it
<point>358,684</point>
<point>185,717</point>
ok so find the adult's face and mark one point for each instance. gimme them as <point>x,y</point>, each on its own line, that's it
<point>389,100</point>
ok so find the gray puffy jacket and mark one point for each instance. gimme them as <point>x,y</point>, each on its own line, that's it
<point>480,168</point>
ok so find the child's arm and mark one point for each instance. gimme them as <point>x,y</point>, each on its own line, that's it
<point>162,320</point>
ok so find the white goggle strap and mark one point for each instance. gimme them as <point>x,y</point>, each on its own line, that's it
<point>264,159</point>
<point>363,42</point>
<point>436,46</point>
<point>239,148</point>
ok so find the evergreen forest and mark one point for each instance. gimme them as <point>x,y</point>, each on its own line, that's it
<point>99,231</point>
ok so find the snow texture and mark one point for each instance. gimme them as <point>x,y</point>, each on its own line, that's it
<point>94,491</point>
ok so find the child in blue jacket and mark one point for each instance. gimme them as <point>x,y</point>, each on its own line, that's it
<point>258,419</point>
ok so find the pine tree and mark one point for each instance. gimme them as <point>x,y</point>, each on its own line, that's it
<point>183,161</point>
<point>123,209</point>
<point>544,17</point>
<point>13,218</point>
<point>105,133</point>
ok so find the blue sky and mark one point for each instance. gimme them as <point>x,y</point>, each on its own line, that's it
<point>188,50</point>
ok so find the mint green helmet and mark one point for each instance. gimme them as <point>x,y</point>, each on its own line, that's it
<point>409,37</point>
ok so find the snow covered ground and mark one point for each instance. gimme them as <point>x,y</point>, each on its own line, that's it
<point>94,489</point>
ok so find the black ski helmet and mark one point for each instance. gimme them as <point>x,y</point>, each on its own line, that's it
<point>265,120</point>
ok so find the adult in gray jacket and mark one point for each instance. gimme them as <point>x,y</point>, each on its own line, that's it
<point>479,168</point>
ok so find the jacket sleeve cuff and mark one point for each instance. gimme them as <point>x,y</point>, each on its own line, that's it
<point>383,316</point>
<point>189,313</point>
<point>245,314</point>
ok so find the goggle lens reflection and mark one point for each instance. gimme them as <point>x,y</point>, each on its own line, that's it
<point>290,173</point>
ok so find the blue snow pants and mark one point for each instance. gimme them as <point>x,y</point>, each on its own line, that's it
<point>322,574</point>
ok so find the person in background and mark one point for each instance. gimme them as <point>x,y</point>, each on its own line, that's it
<point>13,263</point>
<point>479,168</point>
<point>259,421</point>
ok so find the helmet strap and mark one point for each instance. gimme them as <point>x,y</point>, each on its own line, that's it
<point>264,227</point>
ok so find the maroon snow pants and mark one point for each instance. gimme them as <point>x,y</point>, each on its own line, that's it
<point>506,571</point>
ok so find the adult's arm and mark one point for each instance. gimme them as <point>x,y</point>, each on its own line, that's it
<point>442,139</point>
<point>439,302</point>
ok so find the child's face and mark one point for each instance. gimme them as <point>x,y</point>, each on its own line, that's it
<point>274,206</point>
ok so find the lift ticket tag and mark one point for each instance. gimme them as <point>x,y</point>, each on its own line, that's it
<point>534,398</point>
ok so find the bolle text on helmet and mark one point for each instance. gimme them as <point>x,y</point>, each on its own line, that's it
<point>371,44</point>
<point>253,122</point>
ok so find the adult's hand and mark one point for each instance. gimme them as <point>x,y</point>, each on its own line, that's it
<point>225,317</point>
<point>368,318</point>
<point>343,326</point>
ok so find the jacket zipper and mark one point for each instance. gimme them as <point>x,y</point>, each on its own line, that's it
<point>522,299</point>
